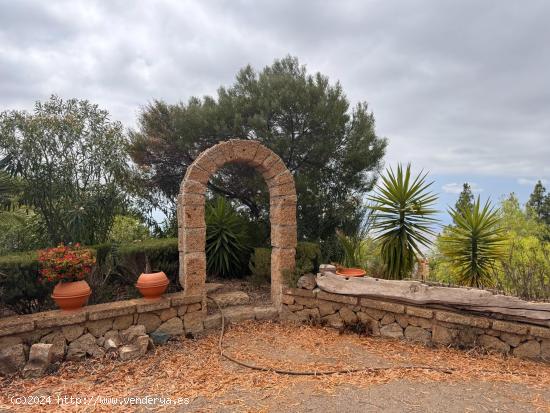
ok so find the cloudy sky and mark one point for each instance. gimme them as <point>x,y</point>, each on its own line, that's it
<point>460,88</point>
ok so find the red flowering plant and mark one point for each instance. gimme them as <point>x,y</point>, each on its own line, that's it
<point>65,263</point>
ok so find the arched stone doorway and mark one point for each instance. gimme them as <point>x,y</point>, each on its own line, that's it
<point>191,203</point>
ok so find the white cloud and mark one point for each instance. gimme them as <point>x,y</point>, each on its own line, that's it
<point>452,86</point>
<point>456,188</point>
<point>530,182</point>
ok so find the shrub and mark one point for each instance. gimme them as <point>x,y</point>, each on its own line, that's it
<point>308,258</point>
<point>65,263</point>
<point>403,210</point>
<point>227,248</point>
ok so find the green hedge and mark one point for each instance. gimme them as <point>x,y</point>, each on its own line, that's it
<point>117,269</point>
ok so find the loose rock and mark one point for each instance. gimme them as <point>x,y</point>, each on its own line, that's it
<point>307,281</point>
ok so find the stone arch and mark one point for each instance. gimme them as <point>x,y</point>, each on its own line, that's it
<point>191,203</point>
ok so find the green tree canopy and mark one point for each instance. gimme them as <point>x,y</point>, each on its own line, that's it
<point>71,160</point>
<point>332,149</point>
<point>539,203</point>
<point>465,199</point>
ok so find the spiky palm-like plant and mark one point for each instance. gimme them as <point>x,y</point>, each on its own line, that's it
<point>474,244</point>
<point>403,208</point>
<point>226,240</point>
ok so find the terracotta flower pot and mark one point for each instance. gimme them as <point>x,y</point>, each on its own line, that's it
<point>72,295</point>
<point>152,285</point>
<point>351,272</point>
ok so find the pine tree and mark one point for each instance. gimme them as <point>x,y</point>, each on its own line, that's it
<point>538,205</point>
<point>465,199</point>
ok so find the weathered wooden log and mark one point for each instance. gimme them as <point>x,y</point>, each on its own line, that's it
<point>417,293</point>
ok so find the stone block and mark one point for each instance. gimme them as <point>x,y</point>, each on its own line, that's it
<point>212,321</point>
<point>307,281</point>
<point>306,301</point>
<point>190,200</point>
<point>272,166</point>
<point>144,305</point>
<point>142,343</point>
<point>282,190</point>
<point>12,358</point>
<point>393,330</point>
<point>58,318</point>
<point>370,322</point>
<point>545,350</point>
<point>180,298</point>
<point>129,352</point>
<point>194,268</point>
<point>537,331</point>
<point>298,292</point>
<point>344,299</point>
<point>262,153</point>
<point>530,349</point>
<point>111,310</point>
<point>461,319</point>
<point>508,327</point>
<point>182,309</point>
<point>59,345</point>
<point>244,150</point>
<point>294,307</point>
<point>40,358</point>
<point>283,236</point>
<point>493,344</point>
<point>189,186</point>
<point>334,321</point>
<point>420,322</point>
<point>287,299</point>
<point>174,327</point>
<point>282,201</point>
<point>420,312</point>
<point>283,215</point>
<point>225,299</point>
<point>266,313</point>
<point>382,305</point>
<point>16,324</point>
<point>74,331</point>
<point>115,337</point>
<point>193,322</point>
<point>123,322</point>
<point>512,339</point>
<point>443,335</point>
<point>283,178</point>
<point>205,162</point>
<point>130,334</point>
<point>150,321</point>
<point>99,327</point>
<point>402,320</point>
<point>388,319</point>
<point>82,346</point>
<point>168,313</point>
<point>236,314</point>
<point>373,312</point>
<point>194,239</point>
<point>191,216</point>
<point>326,308</point>
<point>323,268</point>
<point>348,316</point>
<point>418,334</point>
<point>196,173</point>
<point>194,307</point>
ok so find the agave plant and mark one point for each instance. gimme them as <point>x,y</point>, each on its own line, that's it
<point>226,241</point>
<point>403,219</point>
<point>474,244</point>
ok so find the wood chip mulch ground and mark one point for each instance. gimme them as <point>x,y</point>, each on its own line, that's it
<point>193,369</point>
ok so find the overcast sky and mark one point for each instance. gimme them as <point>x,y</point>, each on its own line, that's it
<point>460,88</point>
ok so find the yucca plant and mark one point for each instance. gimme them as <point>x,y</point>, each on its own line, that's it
<point>403,219</point>
<point>474,243</point>
<point>227,246</point>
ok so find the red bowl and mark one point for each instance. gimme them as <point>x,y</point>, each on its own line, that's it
<point>351,272</point>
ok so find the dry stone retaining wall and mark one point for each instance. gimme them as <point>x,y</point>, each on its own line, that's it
<point>85,333</point>
<point>414,323</point>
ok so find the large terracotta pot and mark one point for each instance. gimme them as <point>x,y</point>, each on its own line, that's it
<point>152,285</point>
<point>351,272</point>
<point>72,295</point>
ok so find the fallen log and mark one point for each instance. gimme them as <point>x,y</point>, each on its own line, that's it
<point>416,293</point>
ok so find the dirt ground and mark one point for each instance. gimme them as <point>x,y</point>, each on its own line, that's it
<point>194,371</point>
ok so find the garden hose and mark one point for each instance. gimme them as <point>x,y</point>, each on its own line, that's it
<point>313,373</point>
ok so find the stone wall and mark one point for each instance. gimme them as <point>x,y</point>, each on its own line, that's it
<point>431,326</point>
<point>83,333</point>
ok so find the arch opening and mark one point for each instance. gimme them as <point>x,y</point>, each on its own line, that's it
<point>191,211</point>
